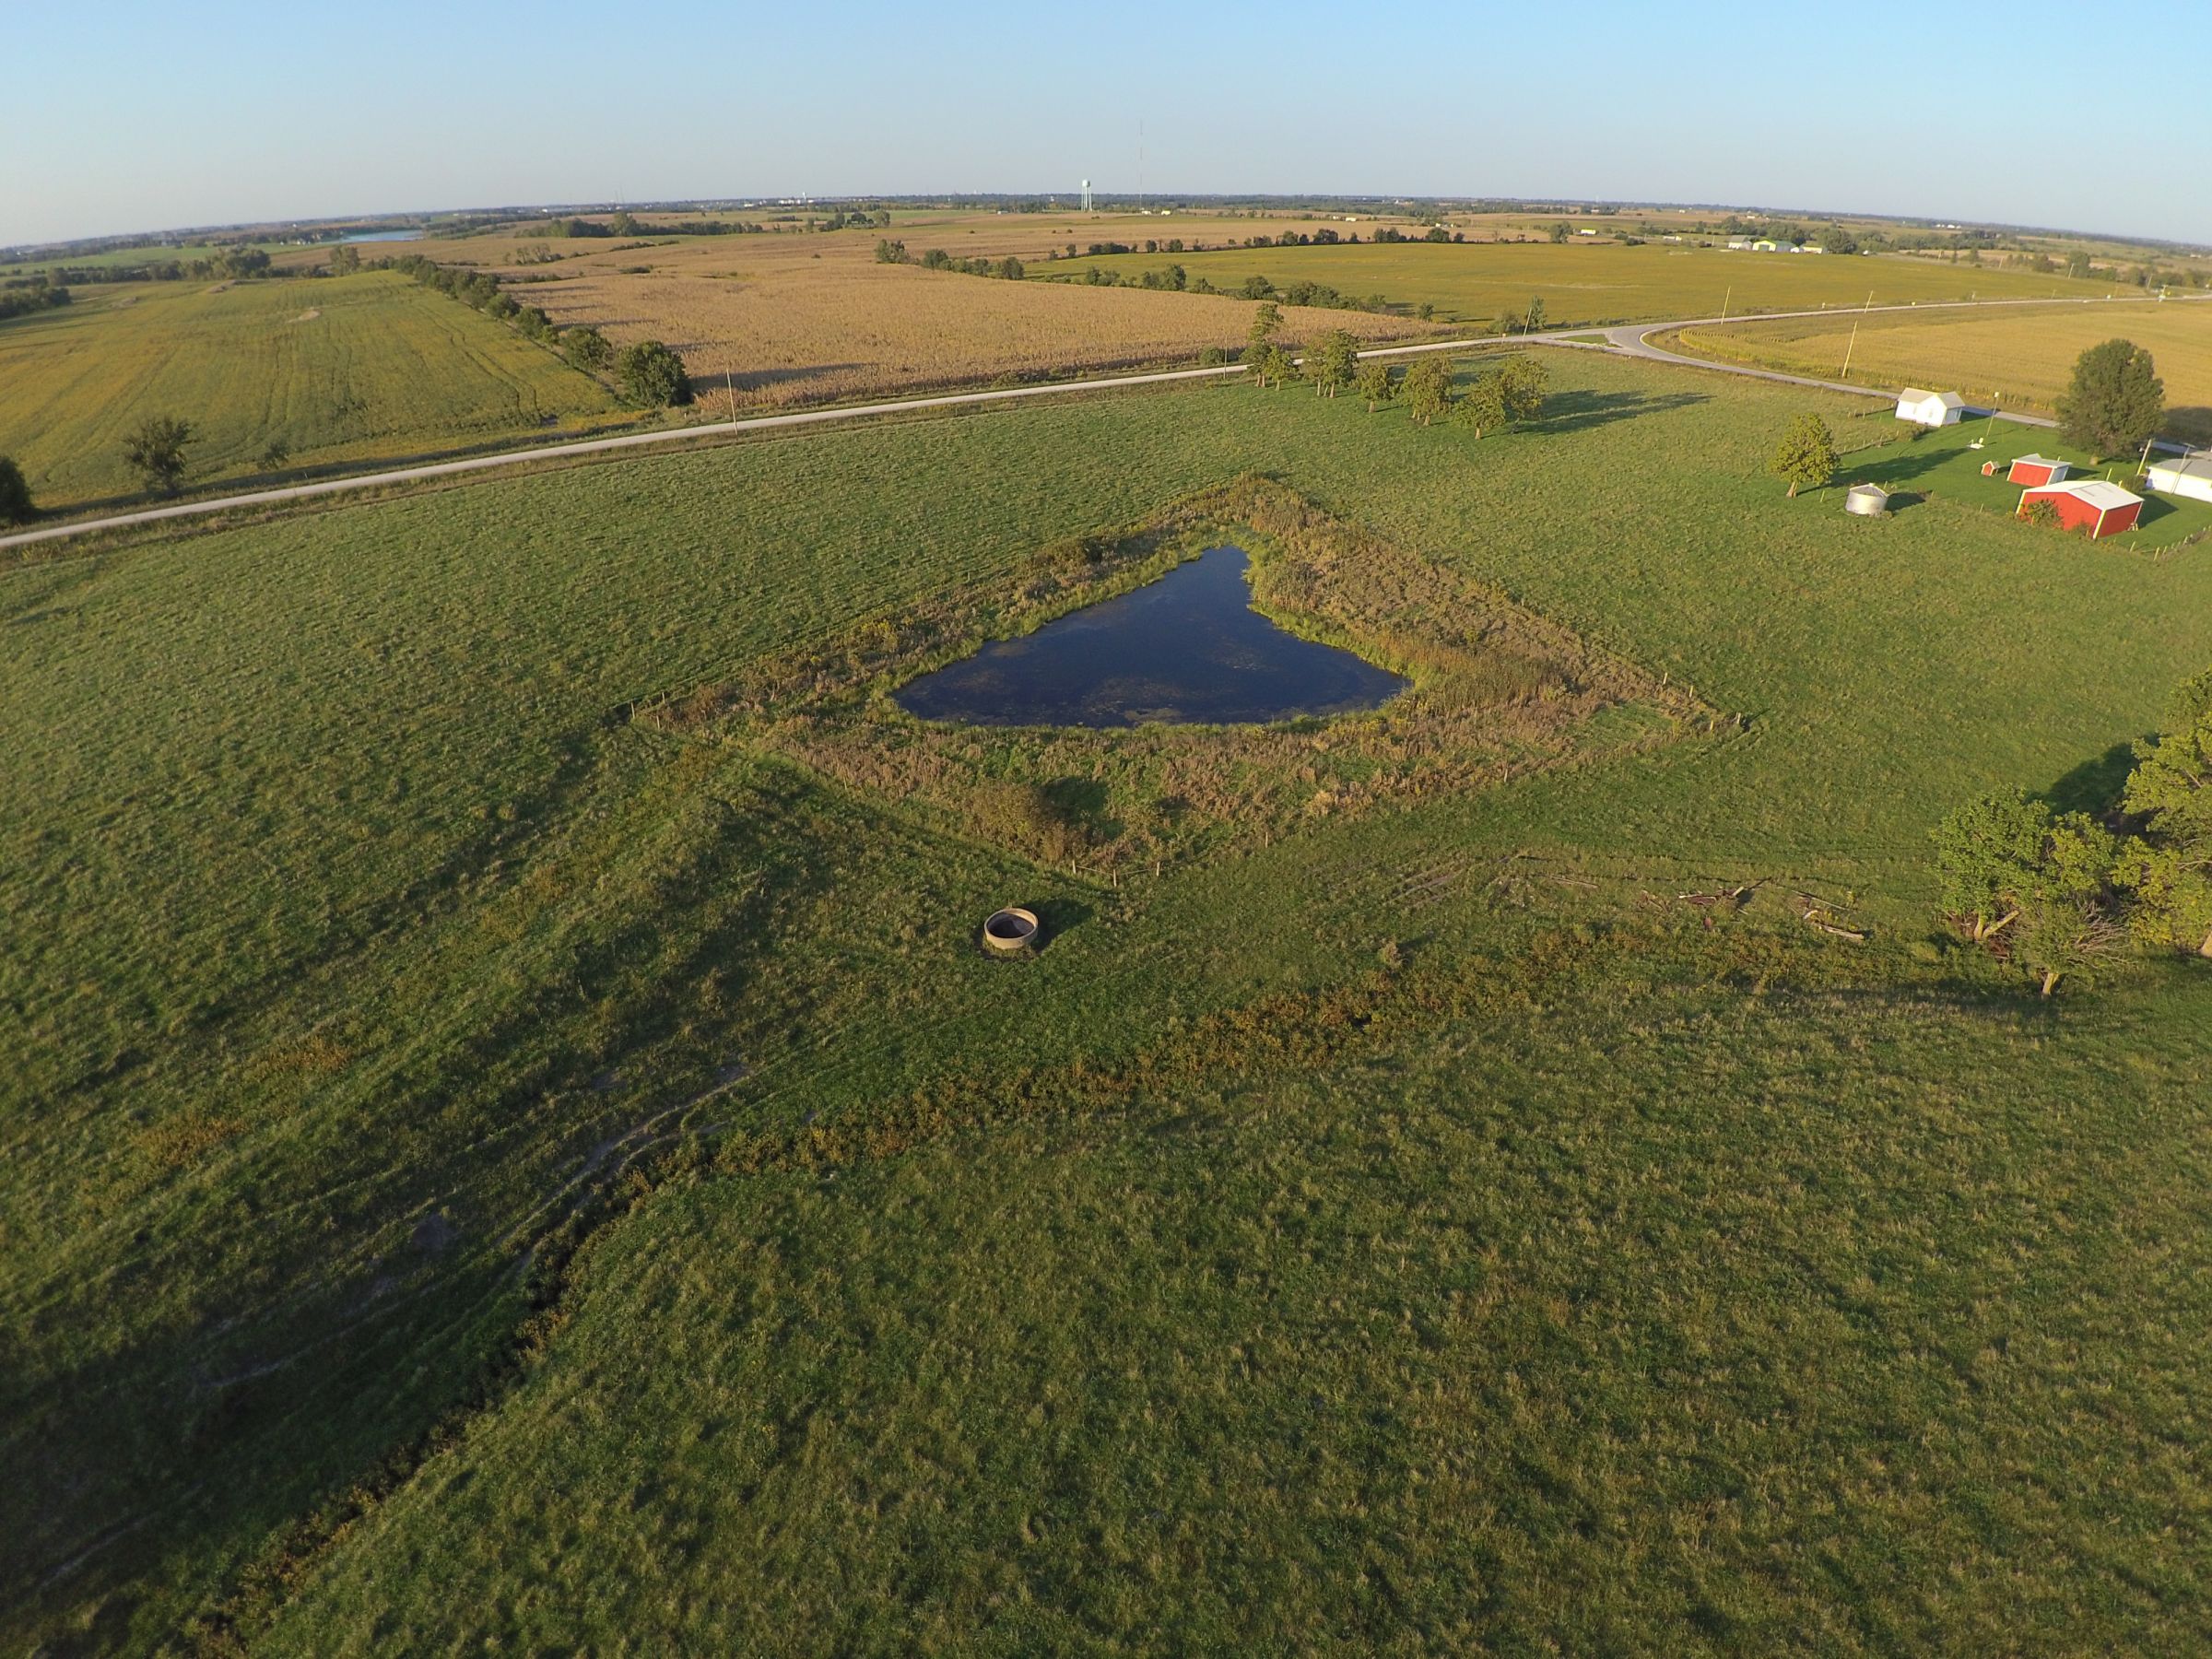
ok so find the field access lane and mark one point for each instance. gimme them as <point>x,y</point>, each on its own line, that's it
<point>1633,339</point>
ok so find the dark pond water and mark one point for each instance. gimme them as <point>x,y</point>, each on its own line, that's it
<point>1187,648</point>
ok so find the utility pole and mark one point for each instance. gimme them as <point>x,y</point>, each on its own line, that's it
<point>729,385</point>
<point>1849,349</point>
<point>1725,299</point>
<point>1869,305</point>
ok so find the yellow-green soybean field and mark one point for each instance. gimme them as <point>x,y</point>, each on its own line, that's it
<point>274,376</point>
<point>2018,359</point>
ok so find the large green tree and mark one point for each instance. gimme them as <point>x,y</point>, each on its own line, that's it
<point>2168,869</point>
<point>15,505</point>
<point>1267,317</point>
<point>2009,861</point>
<point>1805,458</point>
<point>1511,393</point>
<point>2116,401</point>
<point>652,376</point>
<point>154,451</point>
<point>1428,389</point>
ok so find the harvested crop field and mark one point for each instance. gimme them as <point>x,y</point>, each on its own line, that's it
<point>2016,358</point>
<point>799,318</point>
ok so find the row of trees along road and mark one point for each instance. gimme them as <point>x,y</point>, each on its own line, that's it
<point>2063,894</point>
<point>1510,393</point>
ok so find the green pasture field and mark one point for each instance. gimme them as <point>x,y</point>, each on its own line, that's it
<point>487,1170</point>
<point>372,367</point>
<point>1943,462</point>
<point>1476,282</point>
<point>2015,359</point>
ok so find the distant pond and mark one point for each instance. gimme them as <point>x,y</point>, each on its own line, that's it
<point>1188,649</point>
<point>381,236</point>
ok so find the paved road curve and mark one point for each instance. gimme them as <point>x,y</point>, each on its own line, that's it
<point>1633,339</point>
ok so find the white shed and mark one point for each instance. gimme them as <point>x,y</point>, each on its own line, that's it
<point>1930,408</point>
<point>2183,475</point>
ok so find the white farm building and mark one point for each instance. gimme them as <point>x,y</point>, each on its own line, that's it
<point>2183,475</point>
<point>1930,408</point>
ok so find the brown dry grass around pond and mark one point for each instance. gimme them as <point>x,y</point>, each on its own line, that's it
<point>1498,692</point>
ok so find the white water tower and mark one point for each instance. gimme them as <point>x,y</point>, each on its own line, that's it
<point>1087,195</point>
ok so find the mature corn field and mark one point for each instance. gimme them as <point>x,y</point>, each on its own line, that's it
<point>367,368</point>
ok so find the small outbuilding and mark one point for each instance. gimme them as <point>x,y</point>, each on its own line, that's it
<point>1930,408</point>
<point>2091,505</point>
<point>2183,475</point>
<point>1869,500</point>
<point>2037,469</point>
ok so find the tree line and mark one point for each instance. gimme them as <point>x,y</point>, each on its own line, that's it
<point>1008,269</point>
<point>1508,393</point>
<point>649,375</point>
<point>232,265</point>
<point>19,296</point>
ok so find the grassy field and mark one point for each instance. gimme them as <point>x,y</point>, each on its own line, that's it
<point>1475,283</point>
<point>1944,464</point>
<point>1409,1229</point>
<point>349,370</point>
<point>2015,359</point>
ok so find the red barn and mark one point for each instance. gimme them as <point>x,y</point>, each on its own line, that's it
<point>2037,469</point>
<point>2095,506</point>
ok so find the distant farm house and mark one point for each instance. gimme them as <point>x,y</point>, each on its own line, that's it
<point>2098,508</point>
<point>2037,469</point>
<point>1741,244</point>
<point>1930,408</point>
<point>1809,248</point>
<point>2184,476</point>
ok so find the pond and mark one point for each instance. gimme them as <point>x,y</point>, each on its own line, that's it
<point>381,236</point>
<point>1188,648</point>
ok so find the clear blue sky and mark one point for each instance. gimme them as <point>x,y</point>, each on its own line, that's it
<point>136,116</point>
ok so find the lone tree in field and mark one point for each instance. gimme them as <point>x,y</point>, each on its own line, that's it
<point>154,451</point>
<point>1375,383</point>
<point>1509,394</point>
<point>2116,401</point>
<point>15,505</point>
<point>2169,870</point>
<point>653,376</point>
<point>1267,317</point>
<point>1807,456</point>
<point>345,260</point>
<point>1429,390</point>
<point>1331,362</point>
